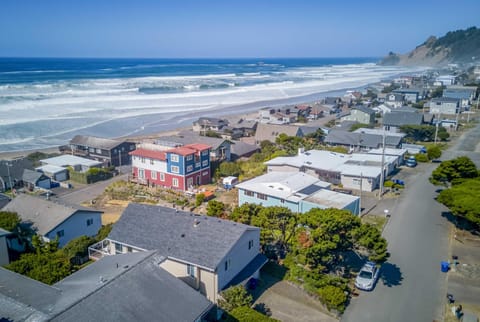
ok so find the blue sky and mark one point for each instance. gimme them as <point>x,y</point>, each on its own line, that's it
<point>198,29</point>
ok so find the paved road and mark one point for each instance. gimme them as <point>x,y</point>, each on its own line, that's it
<point>90,192</point>
<point>411,288</point>
<point>468,144</point>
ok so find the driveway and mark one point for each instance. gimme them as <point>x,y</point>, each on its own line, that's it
<point>290,304</point>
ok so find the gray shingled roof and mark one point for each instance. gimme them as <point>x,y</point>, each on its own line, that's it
<point>135,290</point>
<point>32,177</point>
<point>270,132</point>
<point>240,149</point>
<point>45,215</point>
<point>174,235</point>
<point>368,140</point>
<point>190,137</point>
<point>364,109</point>
<point>95,142</point>
<point>16,169</point>
<point>402,118</point>
<point>127,287</point>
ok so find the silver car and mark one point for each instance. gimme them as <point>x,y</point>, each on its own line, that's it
<point>367,277</point>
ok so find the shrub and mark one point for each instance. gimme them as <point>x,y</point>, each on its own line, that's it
<point>9,220</point>
<point>199,198</point>
<point>421,157</point>
<point>235,297</point>
<point>245,313</point>
<point>333,297</point>
<point>388,184</point>
<point>434,152</point>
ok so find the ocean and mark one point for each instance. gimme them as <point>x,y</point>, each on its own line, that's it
<point>45,102</point>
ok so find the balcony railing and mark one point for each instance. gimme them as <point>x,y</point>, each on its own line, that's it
<point>99,250</point>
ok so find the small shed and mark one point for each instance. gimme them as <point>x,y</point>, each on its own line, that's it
<point>230,182</point>
<point>33,179</point>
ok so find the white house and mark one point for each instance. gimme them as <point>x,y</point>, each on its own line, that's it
<point>51,219</point>
<point>353,171</point>
<point>297,191</point>
<point>78,164</point>
<point>444,105</point>
<point>207,253</point>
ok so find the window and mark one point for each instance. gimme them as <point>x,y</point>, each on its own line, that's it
<point>248,193</point>
<point>282,200</point>
<point>205,163</point>
<point>129,249</point>
<point>99,151</point>
<point>154,175</point>
<point>356,181</point>
<point>261,196</point>
<point>227,264</point>
<point>162,176</point>
<point>60,233</point>
<point>197,165</point>
<point>205,173</point>
<point>174,157</point>
<point>118,248</point>
<point>250,244</point>
<point>189,157</point>
<point>175,182</point>
<point>152,161</point>
<point>205,153</point>
<point>143,159</point>
<point>189,168</point>
<point>91,150</point>
<point>89,221</point>
<point>175,169</point>
<point>141,173</point>
<point>191,270</point>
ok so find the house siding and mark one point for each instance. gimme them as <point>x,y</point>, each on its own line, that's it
<point>270,202</point>
<point>204,281</point>
<point>238,257</point>
<point>352,182</point>
<point>76,226</point>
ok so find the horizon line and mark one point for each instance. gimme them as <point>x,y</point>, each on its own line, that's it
<point>171,58</point>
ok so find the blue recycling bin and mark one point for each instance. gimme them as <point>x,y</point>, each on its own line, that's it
<point>445,266</point>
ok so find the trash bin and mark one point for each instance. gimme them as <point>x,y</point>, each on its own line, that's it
<point>445,266</point>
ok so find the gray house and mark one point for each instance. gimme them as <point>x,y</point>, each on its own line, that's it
<point>358,141</point>
<point>207,253</point>
<point>51,219</point>
<point>129,287</point>
<point>465,94</point>
<point>11,172</point>
<point>33,179</point>
<point>360,114</point>
<point>270,132</point>
<point>394,120</point>
<point>204,124</point>
<point>109,152</point>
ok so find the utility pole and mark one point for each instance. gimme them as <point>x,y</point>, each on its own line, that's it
<point>382,176</point>
<point>360,201</point>
<point>9,176</point>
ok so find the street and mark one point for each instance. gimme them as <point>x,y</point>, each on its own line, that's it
<point>412,287</point>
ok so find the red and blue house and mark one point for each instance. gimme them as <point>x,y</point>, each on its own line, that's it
<point>179,168</point>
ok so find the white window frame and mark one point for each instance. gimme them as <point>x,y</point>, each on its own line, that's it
<point>189,157</point>
<point>205,163</point>
<point>175,182</point>
<point>189,168</point>
<point>175,169</point>
<point>141,173</point>
<point>162,176</point>
<point>153,174</point>
<point>174,157</point>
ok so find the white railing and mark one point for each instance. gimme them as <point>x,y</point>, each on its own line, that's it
<point>99,250</point>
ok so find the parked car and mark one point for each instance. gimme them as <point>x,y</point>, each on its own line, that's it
<point>411,162</point>
<point>367,277</point>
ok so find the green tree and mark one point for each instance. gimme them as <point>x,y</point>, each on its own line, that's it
<point>215,208</point>
<point>78,246</point>
<point>234,297</point>
<point>318,134</point>
<point>357,126</point>
<point>421,157</point>
<point>9,220</point>
<point>245,213</point>
<point>103,232</point>
<point>454,171</point>
<point>228,169</point>
<point>419,132</point>
<point>462,200</point>
<point>434,152</point>
<point>278,225</point>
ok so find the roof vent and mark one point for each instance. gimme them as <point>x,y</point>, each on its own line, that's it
<point>182,235</point>
<point>195,223</point>
<point>102,280</point>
